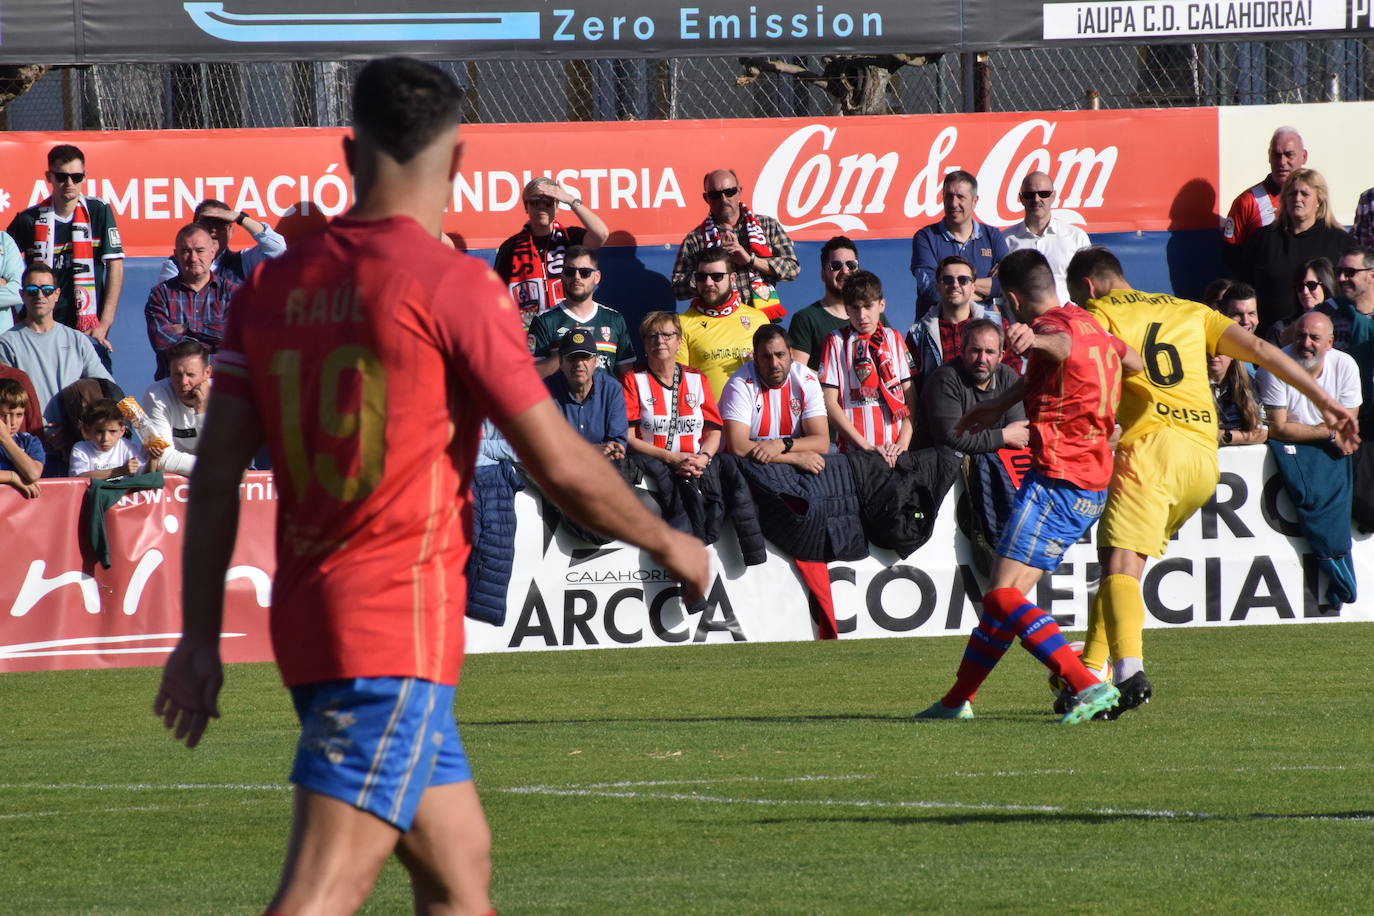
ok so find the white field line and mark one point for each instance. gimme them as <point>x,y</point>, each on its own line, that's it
<point>141,786</point>
<point>624,790</point>
<point>87,812</point>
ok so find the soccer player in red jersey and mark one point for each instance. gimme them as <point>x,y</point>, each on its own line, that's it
<point>1071,389</point>
<point>367,358</point>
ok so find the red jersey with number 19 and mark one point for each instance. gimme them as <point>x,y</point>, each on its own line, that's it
<point>371,353</point>
<point>1071,405</point>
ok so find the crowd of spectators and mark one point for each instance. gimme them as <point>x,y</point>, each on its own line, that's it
<point>720,376</point>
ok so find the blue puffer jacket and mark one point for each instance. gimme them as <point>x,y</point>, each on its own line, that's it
<point>493,541</point>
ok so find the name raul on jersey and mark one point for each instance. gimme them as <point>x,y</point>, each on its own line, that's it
<point>306,307</point>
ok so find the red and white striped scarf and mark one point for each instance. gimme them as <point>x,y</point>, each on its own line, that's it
<point>535,286</point>
<point>83,258</point>
<point>763,295</point>
<point>875,372</point>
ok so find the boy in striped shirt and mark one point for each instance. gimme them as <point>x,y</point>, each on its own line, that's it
<point>866,375</point>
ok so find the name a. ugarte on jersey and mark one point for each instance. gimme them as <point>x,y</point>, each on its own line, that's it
<point>305,307</point>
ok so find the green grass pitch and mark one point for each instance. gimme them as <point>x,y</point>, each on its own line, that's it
<point>756,779</point>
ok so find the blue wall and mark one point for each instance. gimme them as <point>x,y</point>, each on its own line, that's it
<point>635,281</point>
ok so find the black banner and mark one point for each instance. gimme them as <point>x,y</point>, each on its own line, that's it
<point>93,31</point>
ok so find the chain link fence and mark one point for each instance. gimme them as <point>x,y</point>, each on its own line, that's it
<point>315,94</point>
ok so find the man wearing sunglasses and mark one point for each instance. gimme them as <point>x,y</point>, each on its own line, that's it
<point>77,238</point>
<point>1056,239</point>
<point>718,328</point>
<point>760,252</point>
<point>937,336</point>
<point>811,326</point>
<point>615,354</point>
<point>52,355</point>
<point>531,261</point>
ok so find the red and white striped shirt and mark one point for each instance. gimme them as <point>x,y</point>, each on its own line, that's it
<point>870,416</point>
<point>772,412</point>
<point>666,421</point>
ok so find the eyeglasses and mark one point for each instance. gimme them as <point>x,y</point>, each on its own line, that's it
<point>715,276</point>
<point>950,280</point>
<point>542,200</point>
<point>73,177</point>
<point>39,290</point>
<point>723,192</point>
<point>837,266</point>
<point>583,272</point>
<point>661,335</point>
<point>1043,195</point>
<point>1348,273</point>
<point>1310,285</point>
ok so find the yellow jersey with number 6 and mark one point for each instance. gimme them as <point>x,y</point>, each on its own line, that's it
<point>1174,337</point>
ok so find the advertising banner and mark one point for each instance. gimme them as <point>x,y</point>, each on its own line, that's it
<point>1238,562</point>
<point>869,177</point>
<point>88,31</point>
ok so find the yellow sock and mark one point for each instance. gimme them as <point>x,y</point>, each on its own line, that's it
<point>1095,642</point>
<point>1123,611</point>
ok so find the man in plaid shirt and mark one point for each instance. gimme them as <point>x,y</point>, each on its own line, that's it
<point>193,304</point>
<point>761,254</point>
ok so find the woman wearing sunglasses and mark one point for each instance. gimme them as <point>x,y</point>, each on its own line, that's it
<point>1314,287</point>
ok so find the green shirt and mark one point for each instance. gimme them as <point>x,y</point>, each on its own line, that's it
<point>811,326</point>
<point>613,344</point>
<point>105,246</point>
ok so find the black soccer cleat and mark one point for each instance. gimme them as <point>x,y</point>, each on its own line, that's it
<point>1061,701</point>
<point>1135,691</point>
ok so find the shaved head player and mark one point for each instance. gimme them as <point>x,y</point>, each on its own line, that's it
<point>367,358</point>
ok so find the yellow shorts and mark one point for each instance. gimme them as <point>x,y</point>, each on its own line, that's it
<point>1158,482</point>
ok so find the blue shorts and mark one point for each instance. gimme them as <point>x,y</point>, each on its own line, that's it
<point>377,743</point>
<point>1047,517</point>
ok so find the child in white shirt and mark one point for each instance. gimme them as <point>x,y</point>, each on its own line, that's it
<point>106,452</point>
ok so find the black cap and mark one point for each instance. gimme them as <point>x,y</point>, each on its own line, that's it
<point>577,340</point>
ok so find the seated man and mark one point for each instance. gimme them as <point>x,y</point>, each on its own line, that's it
<point>718,327</point>
<point>935,337</point>
<point>237,266</point>
<point>866,375</point>
<point>615,351</point>
<point>592,401</point>
<point>956,387</point>
<point>1315,465</point>
<point>194,303</point>
<point>176,406</point>
<point>53,355</point>
<point>21,454</point>
<point>769,401</point>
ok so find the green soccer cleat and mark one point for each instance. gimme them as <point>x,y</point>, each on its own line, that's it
<point>1090,701</point>
<point>938,710</point>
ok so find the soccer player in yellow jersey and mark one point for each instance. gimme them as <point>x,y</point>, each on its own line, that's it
<point>1166,460</point>
<point>718,327</point>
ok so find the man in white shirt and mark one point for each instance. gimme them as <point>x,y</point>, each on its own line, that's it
<point>1292,417</point>
<point>773,407</point>
<point>176,406</point>
<point>1056,239</point>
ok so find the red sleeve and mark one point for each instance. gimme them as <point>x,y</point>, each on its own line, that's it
<point>481,334</point>
<point>1118,345</point>
<point>631,391</point>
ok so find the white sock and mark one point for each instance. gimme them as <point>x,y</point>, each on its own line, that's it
<point>1125,667</point>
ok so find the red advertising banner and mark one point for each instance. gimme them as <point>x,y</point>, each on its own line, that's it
<point>867,177</point>
<point>60,608</point>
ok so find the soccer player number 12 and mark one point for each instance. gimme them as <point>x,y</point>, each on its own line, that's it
<point>362,430</point>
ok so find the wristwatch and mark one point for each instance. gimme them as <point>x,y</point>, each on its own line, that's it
<point>786,444</point>
<point>575,202</point>
<point>241,217</point>
<point>1226,437</point>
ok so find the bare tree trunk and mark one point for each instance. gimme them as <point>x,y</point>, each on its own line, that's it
<point>17,79</point>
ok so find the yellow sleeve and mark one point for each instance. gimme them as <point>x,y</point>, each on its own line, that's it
<point>1214,325</point>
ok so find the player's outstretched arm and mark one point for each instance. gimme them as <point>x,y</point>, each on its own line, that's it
<point>193,675</point>
<point>985,414</point>
<point>579,480</point>
<point>1238,343</point>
